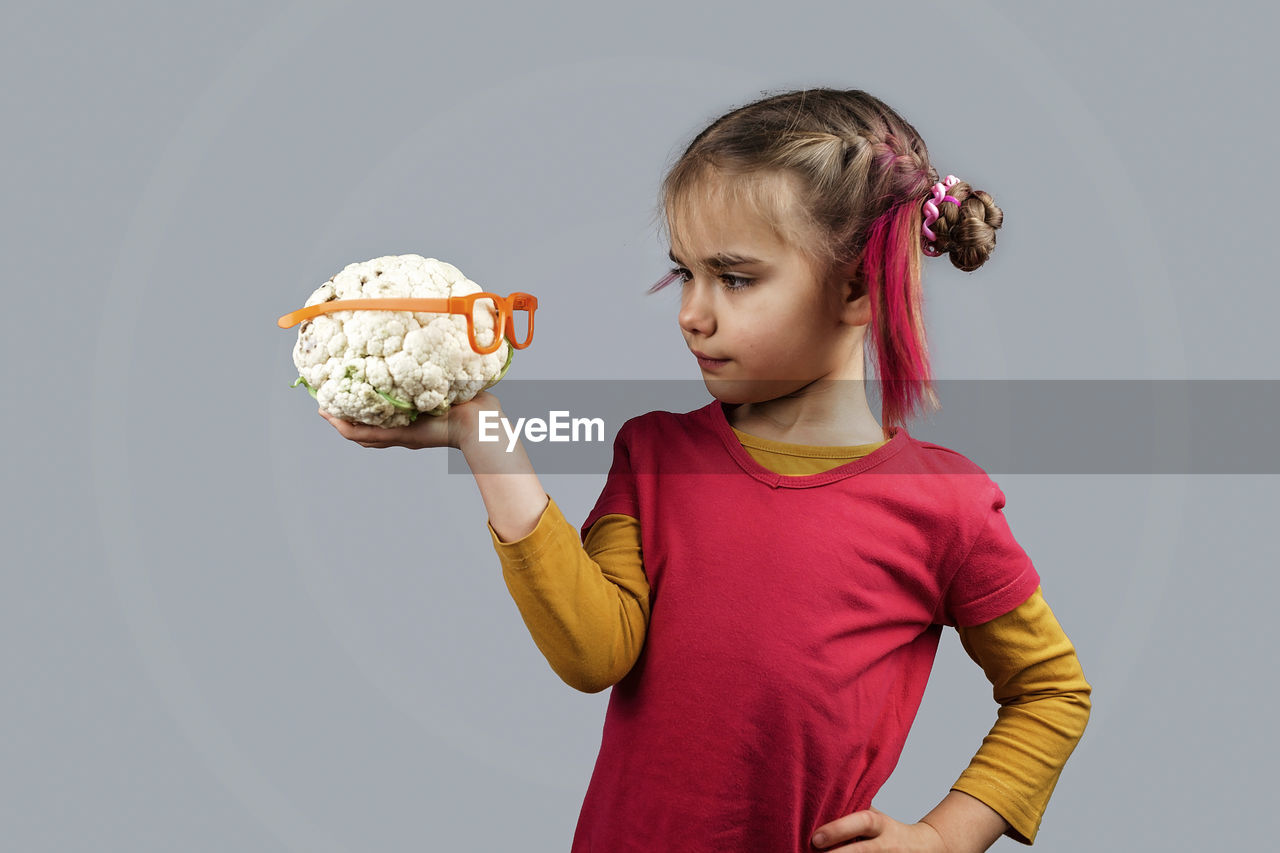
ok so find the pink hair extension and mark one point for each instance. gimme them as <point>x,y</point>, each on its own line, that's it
<point>663,282</point>
<point>897,327</point>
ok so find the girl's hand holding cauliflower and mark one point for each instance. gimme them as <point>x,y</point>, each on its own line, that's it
<point>452,429</point>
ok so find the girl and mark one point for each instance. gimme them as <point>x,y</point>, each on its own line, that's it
<point>763,581</point>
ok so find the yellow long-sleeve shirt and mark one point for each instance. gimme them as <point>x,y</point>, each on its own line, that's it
<point>586,604</point>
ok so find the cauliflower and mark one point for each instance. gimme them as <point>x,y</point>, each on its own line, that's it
<point>385,367</point>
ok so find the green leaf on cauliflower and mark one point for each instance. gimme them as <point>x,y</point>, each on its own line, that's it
<point>306,383</point>
<point>511,355</point>
<point>395,401</point>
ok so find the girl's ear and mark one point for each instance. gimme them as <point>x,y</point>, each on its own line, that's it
<point>857,309</point>
<point>853,292</point>
<point>855,303</point>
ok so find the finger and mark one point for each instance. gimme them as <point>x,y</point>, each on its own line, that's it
<point>349,428</point>
<point>359,433</point>
<point>857,844</point>
<point>866,824</point>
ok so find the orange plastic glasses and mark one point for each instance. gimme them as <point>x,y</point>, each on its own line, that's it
<point>506,308</point>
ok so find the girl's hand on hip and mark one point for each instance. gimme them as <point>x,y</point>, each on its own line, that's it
<point>448,430</point>
<point>873,830</point>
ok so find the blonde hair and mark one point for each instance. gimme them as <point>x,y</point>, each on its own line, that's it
<point>856,177</point>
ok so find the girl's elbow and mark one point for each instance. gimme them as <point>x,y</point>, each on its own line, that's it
<point>597,686</point>
<point>591,667</point>
<point>588,678</point>
<point>1082,704</point>
<point>1083,696</point>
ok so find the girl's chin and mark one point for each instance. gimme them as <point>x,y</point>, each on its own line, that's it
<point>738,391</point>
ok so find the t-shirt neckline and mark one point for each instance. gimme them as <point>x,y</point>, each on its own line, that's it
<point>720,424</point>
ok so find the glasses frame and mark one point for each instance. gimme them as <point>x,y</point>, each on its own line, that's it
<point>464,305</point>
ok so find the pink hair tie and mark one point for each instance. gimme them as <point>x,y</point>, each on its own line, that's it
<point>931,211</point>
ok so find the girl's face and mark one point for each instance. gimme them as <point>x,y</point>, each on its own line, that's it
<point>752,300</point>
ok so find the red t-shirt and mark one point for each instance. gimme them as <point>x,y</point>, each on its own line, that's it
<point>793,624</point>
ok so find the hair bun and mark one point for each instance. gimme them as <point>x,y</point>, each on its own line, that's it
<point>971,238</point>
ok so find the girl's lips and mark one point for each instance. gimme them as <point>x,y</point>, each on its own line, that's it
<point>710,363</point>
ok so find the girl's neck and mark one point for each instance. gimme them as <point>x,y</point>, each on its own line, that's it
<point>794,420</point>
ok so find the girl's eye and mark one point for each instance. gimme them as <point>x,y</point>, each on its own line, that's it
<point>735,282</point>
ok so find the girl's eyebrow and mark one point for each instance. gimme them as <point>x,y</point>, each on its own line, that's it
<point>720,260</point>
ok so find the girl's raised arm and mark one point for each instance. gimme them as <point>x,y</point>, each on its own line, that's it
<point>588,618</point>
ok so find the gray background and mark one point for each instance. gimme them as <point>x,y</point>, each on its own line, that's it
<point>227,628</point>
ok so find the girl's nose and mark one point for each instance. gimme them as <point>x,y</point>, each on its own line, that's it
<point>696,313</point>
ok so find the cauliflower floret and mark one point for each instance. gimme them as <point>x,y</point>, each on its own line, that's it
<point>386,367</point>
